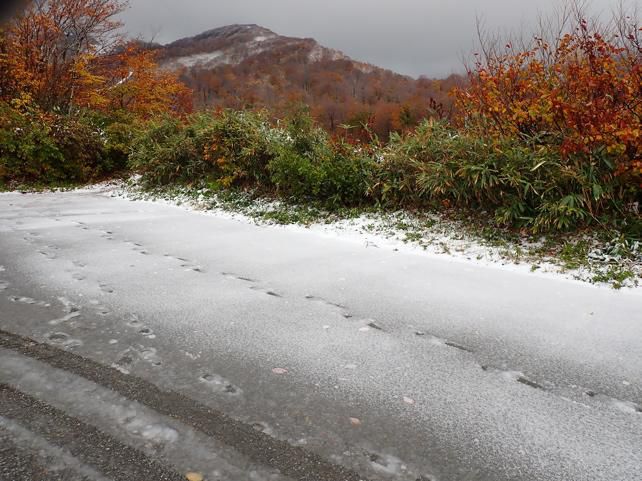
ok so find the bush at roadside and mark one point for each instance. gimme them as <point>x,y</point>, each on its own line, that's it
<point>51,148</point>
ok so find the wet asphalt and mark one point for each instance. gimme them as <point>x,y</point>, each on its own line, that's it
<point>123,463</point>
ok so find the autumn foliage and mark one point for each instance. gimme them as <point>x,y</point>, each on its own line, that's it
<point>546,135</point>
<point>277,73</point>
<point>581,92</point>
<point>68,54</point>
<point>72,92</point>
<point>135,84</point>
<point>48,50</point>
<point>342,97</point>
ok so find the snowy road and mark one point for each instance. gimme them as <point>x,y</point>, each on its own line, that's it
<point>190,342</point>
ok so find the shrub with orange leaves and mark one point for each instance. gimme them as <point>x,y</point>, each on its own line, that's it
<point>49,47</point>
<point>69,54</point>
<point>135,83</point>
<point>581,92</point>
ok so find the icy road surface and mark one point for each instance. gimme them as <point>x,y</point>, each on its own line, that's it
<point>139,339</point>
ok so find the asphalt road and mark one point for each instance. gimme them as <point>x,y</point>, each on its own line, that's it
<point>140,341</point>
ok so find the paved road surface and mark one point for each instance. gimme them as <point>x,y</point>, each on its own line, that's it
<point>142,341</point>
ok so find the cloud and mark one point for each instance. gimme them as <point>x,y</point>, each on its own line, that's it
<point>413,37</point>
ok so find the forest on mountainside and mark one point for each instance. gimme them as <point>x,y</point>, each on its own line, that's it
<point>266,70</point>
<point>340,96</point>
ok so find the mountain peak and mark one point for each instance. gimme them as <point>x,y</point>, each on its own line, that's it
<point>228,31</point>
<point>233,44</point>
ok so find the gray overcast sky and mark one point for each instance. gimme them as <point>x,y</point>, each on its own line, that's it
<point>413,37</point>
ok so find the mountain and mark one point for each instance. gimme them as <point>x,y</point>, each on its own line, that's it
<point>249,66</point>
<point>235,43</point>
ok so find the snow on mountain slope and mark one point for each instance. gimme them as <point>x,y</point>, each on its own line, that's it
<point>233,44</point>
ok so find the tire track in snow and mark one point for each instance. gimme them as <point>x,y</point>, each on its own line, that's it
<point>292,461</point>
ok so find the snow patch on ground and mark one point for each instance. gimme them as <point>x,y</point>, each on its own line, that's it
<point>398,232</point>
<point>546,330</point>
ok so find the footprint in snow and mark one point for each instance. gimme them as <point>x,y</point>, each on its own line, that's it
<point>66,318</point>
<point>191,267</point>
<point>134,321</point>
<point>147,332</point>
<point>63,339</point>
<point>386,463</point>
<point>627,407</point>
<point>516,376</point>
<point>28,300</point>
<point>130,356</point>
<point>266,291</point>
<point>219,384</point>
<point>262,427</point>
<point>236,277</point>
<point>456,345</point>
<point>310,297</point>
<point>102,311</point>
<point>150,355</point>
